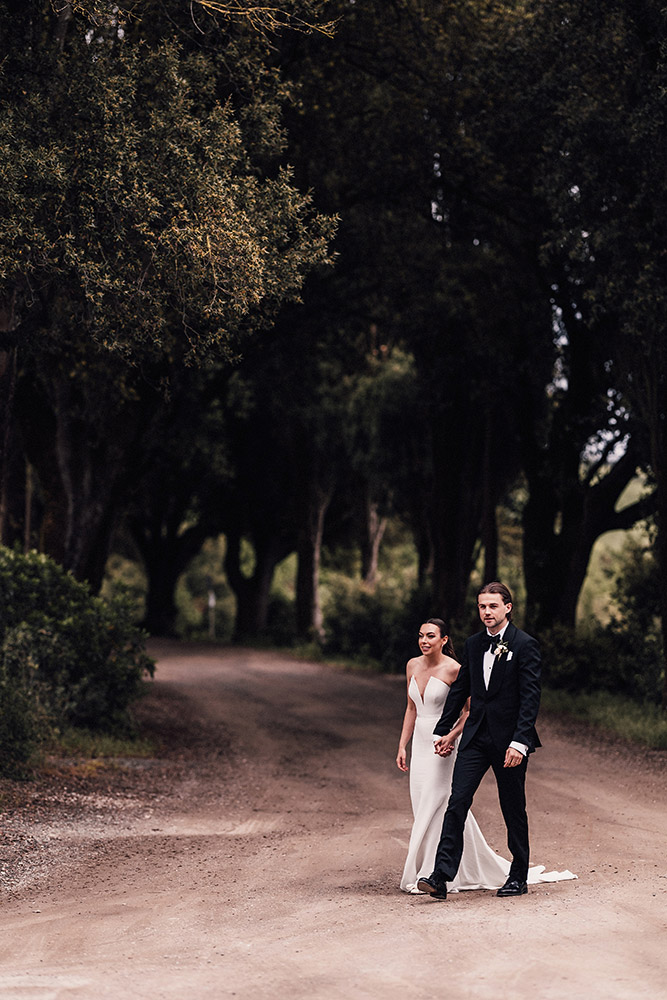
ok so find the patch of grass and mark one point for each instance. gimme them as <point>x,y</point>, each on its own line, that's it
<point>304,651</point>
<point>643,724</point>
<point>313,653</point>
<point>83,743</point>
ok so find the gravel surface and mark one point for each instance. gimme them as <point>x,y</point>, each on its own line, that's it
<point>259,853</point>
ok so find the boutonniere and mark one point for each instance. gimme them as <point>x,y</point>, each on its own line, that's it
<point>501,648</point>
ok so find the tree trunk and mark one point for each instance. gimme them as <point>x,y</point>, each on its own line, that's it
<point>83,474</point>
<point>456,523</point>
<point>489,526</point>
<point>467,486</point>
<point>370,549</point>
<point>423,537</point>
<point>308,609</point>
<point>165,549</point>
<point>542,569</point>
<point>561,527</point>
<point>27,507</point>
<point>661,558</point>
<point>654,405</point>
<point>252,593</point>
<point>162,574</point>
<point>92,474</point>
<point>7,384</point>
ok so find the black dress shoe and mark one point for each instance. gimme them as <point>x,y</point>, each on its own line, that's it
<point>433,886</point>
<point>512,888</point>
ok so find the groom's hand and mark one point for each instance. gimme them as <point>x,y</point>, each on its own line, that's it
<point>512,757</point>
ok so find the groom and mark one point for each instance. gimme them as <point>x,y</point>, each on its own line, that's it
<point>500,673</point>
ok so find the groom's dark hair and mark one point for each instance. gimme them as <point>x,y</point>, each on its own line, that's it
<point>498,588</point>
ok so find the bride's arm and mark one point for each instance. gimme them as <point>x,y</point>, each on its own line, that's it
<point>458,728</point>
<point>406,731</point>
<point>445,744</point>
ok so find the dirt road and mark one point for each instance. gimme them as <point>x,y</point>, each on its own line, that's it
<point>260,857</point>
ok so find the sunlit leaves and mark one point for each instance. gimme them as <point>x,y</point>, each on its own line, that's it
<point>128,191</point>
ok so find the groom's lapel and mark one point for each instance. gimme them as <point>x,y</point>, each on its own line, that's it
<point>482,646</point>
<point>500,662</point>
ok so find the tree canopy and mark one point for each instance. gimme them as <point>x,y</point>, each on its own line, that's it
<point>494,315</point>
<point>147,224</point>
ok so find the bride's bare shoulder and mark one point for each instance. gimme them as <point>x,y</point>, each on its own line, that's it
<point>413,665</point>
<point>449,669</point>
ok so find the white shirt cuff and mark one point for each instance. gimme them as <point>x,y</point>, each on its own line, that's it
<point>521,747</point>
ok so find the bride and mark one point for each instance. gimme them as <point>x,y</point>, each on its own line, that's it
<point>429,678</point>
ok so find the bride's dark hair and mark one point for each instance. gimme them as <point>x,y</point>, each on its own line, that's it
<point>448,648</point>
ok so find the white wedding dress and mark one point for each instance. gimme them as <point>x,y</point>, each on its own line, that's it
<point>430,784</point>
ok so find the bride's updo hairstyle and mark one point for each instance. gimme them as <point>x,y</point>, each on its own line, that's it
<point>448,648</point>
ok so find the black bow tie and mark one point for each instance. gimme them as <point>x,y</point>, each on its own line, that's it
<point>494,640</point>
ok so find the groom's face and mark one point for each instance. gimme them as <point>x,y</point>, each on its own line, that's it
<point>493,611</point>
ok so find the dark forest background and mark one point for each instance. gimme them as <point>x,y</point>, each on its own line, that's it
<point>314,317</point>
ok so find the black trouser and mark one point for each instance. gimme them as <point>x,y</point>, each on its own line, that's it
<point>471,765</point>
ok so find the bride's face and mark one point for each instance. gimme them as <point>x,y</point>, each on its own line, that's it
<point>430,640</point>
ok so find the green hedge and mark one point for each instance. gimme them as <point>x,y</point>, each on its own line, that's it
<point>617,659</point>
<point>66,656</point>
<point>374,626</point>
<point>623,658</point>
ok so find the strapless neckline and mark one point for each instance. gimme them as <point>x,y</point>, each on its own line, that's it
<point>413,680</point>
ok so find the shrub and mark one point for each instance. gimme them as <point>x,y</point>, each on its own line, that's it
<point>80,659</point>
<point>617,659</point>
<point>624,657</point>
<point>636,627</point>
<point>25,720</point>
<point>203,574</point>
<point>575,663</point>
<point>374,625</point>
<point>612,714</point>
<point>281,621</point>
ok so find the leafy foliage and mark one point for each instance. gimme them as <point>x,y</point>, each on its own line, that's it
<point>625,657</point>
<point>299,15</point>
<point>374,626</point>
<point>497,308</point>
<point>147,224</point>
<point>25,719</point>
<point>66,655</point>
<point>130,210</point>
<point>611,714</point>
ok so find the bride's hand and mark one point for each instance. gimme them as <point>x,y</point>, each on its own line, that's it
<point>401,759</point>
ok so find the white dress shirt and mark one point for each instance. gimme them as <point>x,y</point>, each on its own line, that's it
<point>489,660</point>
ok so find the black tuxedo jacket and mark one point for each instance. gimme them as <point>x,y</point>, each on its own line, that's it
<point>510,704</point>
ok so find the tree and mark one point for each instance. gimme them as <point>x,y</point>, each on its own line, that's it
<point>452,244</point>
<point>178,499</point>
<point>299,15</point>
<point>425,254</point>
<point>609,208</point>
<point>139,234</point>
<point>283,414</point>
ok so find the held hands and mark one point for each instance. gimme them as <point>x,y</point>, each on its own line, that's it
<point>444,746</point>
